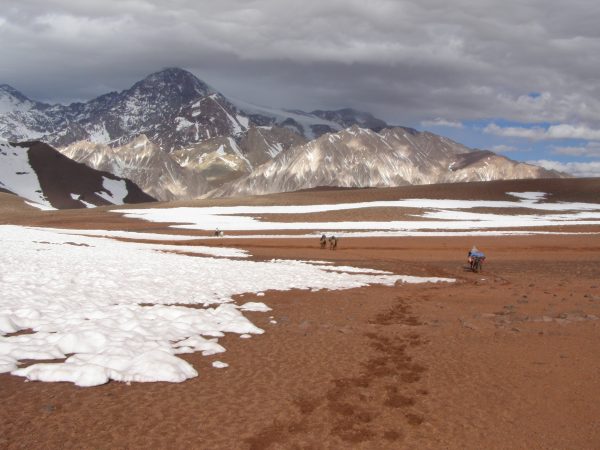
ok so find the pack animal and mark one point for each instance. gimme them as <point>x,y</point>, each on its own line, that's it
<point>323,241</point>
<point>333,242</point>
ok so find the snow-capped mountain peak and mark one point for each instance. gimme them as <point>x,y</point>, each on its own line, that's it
<point>171,84</point>
<point>12,100</point>
<point>172,107</point>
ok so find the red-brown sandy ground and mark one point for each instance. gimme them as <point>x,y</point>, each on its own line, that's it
<point>507,358</point>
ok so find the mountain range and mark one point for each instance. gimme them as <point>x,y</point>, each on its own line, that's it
<point>178,138</point>
<point>172,107</point>
<point>359,157</point>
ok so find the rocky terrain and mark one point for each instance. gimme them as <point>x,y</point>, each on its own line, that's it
<point>358,157</point>
<point>143,162</point>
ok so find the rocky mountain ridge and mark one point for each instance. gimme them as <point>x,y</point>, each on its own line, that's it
<point>358,157</point>
<point>143,162</point>
<point>189,172</point>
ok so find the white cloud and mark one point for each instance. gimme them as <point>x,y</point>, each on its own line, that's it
<point>578,169</point>
<point>561,131</point>
<point>520,132</point>
<point>439,122</point>
<point>505,148</point>
<point>592,149</point>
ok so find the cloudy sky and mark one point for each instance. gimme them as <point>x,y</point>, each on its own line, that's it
<point>520,77</point>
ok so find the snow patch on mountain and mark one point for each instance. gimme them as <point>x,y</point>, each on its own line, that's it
<point>114,191</point>
<point>303,123</point>
<point>12,100</point>
<point>99,134</point>
<point>17,175</point>
<point>182,123</point>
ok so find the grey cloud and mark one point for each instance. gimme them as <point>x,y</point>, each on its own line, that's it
<point>406,60</point>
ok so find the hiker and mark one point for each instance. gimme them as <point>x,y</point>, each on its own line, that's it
<point>333,243</point>
<point>475,257</point>
<point>323,241</point>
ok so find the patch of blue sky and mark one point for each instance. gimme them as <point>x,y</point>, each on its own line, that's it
<point>473,135</point>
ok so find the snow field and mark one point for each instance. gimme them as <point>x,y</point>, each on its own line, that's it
<point>225,252</point>
<point>438,215</point>
<point>123,311</point>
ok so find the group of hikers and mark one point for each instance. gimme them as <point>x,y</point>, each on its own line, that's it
<point>333,241</point>
<point>475,257</point>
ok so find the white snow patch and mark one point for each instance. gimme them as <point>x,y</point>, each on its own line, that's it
<point>114,191</point>
<point>17,175</point>
<point>9,102</point>
<point>243,120</point>
<point>182,123</point>
<point>118,308</point>
<point>125,234</point>
<point>438,215</point>
<point>228,162</point>
<point>219,364</point>
<point>255,306</point>
<point>41,207</point>
<point>99,134</point>
<point>530,196</point>
<point>78,198</point>
<point>238,151</point>
<point>225,252</point>
<point>305,120</point>
<point>414,280</point>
